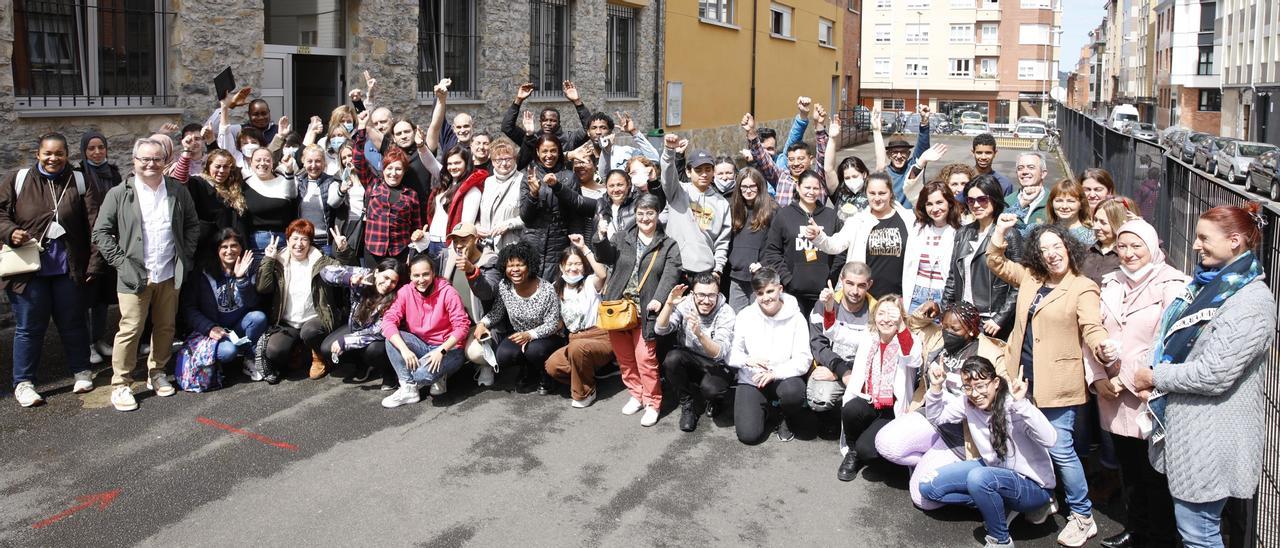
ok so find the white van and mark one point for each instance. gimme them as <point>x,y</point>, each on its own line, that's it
<point>1122,115</point>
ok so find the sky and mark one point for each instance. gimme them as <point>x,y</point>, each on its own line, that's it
<point>1078,18</point>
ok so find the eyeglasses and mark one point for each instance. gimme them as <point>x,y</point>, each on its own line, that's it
<point>145,161</point>
<point>899,152</point>
<point>975,387</point>
<point>749,187</point>
<point>705,296</point>
<point>503,159</point>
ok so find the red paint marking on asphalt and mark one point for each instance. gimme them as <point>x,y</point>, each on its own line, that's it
<point>101,500</point>
<point>247,434</point>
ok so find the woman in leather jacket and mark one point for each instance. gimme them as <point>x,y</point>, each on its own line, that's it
<point>970,280</point>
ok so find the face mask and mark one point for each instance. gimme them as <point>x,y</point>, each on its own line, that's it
<point>247,150</point>
<point>724,184</point>
<point>854,183</point>
<point>952,342</point>
<point>336,143</point>
<point>96,164</point>
<point>1139,274</point>
<point>571,279</point>
<point>350,127</point>
<point>639,181</point>
<point>288,151</point>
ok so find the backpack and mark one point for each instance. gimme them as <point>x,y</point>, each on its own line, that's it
<point>196,366</point>
<point>22,180</point>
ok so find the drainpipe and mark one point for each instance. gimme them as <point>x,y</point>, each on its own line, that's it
<point>755,13</point>
<point>657,64</point>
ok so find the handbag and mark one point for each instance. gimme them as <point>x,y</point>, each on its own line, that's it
<point>623,314</point>
<point>23,259</point>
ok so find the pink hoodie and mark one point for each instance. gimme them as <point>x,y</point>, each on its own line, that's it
<point>432,318</point>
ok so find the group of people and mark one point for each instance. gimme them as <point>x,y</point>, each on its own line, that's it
<point>982,331</point>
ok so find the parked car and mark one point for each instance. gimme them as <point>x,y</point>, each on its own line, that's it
<point>1030,130</point>
<point>1122,114</point>
<point>1172,133</point>
<point>971,116</point>
<point>1262,175</point>
<point>974,129</point>
<point>1232,160</point>
<point>1204,157</point>
<point>1142,130</point>
<point>1187,150</point>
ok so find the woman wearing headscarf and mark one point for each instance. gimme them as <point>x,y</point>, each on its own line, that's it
<point>100,292</point>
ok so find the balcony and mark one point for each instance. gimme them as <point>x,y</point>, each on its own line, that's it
<point>987,13</point>
<point>986,50</point>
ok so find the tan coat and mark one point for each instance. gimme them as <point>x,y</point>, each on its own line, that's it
<point>1067,320</point>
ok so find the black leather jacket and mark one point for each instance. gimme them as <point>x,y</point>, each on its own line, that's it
<point>990,294</point>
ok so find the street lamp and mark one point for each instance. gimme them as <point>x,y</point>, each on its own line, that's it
<point>919,15</point>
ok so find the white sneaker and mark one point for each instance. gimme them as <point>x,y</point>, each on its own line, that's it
<point>1078,531</point>
<point>84,382</point>
<point>122,399</point>
<point>1037,516</point>
<point>632,407</point>
<point>484,375</point>
<point>103,349</point>
<point>26,394</point>
<point>585,402</point>
<point>160,384</point>
<point>439,387</point>
<point>650,417</point>
<point>94,357</point>
<point>408,393</point>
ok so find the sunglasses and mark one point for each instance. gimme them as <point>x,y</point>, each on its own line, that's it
<point>980,201</point>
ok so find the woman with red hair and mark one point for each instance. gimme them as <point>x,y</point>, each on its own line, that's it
<point>393,214</point>
<point>1203,388</point>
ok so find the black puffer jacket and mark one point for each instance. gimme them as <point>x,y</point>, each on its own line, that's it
<point>620,253</point>
<point>992,295</point>
<point>548,216</point>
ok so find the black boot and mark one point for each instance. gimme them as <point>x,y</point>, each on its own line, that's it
<point>688,414</point>
<point>849,466</point>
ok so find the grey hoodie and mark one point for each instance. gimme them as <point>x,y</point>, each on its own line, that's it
<point>718,325</point>
<point>700,221</point>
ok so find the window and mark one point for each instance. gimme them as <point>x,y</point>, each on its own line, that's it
<point>446,42</point>
<point>550,51</point>
<point>1210,100</point>
<point>917,67</point>
<point>990,34</point>
<point>826,32</point>
<point>621,60</point>
<point>780,20</point>
<point>893,104</point>
<point>855,5</point>
<point>1031,69</point>
<point>884,33</point>
<point>1204,66</point>
<point>1033,35</point>
<point>73,53</point>
<point>962,33</point>
<point>883,67</point>
<point>719,11</point>
<point>961,68</point>
<point>987,68</point>
<point>990,4</point>
<point>1036,4</point>
<point>884,4</point>
<point>917,33</point>
<point>1208,12</point>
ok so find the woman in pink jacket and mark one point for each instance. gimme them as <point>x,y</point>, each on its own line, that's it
<point>425,328</point>
<point>1133,298</point>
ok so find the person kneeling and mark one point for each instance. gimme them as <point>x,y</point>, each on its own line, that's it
<point>706,328</point>
<point>1012,436</point>
<point>425,327</point>
<point>771,353</point>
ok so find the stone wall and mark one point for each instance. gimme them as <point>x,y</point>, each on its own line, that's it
<point>728,140</point>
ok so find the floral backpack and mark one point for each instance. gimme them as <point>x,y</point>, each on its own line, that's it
<point>197,365</point>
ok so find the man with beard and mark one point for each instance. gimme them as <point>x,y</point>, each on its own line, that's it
<point>706,330</point>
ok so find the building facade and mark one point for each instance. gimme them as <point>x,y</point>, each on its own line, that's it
<point>1186,71</point>
<point>996,58</point>
<point>1250,68</point>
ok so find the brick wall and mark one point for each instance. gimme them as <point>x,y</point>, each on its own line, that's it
<point>1190,115</point>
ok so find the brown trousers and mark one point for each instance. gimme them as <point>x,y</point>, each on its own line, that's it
<point>577,362</point>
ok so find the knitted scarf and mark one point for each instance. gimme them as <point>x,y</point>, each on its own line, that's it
<point>882,367</point>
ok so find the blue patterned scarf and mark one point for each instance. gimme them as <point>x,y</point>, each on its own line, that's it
<point>1186,317</point>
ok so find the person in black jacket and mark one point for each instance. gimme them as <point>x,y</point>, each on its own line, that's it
<point>100,292</point>
<point>970,280</point>
<point>526,133</point>
<point>752,210</point>
<point>549,205</point>
<point>804,269</point>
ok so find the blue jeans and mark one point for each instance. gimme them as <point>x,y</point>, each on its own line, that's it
<point>1067,462</point>
<point>452,361</point>
<point>251,326</point>
<point>45,297</point>
<point>1199,523</point>
<point>990,488</point>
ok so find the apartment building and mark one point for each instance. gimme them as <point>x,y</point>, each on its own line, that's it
<point>997,58</point>
<point>1250,68</point>
<point>1186,68</point>
<point>1100,83</point>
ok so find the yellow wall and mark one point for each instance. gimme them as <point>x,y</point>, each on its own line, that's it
<point>714,62</point>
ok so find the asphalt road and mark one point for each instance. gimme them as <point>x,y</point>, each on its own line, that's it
<point>960,150</point>
<point>321,463</point>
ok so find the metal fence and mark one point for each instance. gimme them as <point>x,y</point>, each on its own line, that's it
<point>1172,195</point>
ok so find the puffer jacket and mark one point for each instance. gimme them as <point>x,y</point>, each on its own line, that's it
<point>548,215</point>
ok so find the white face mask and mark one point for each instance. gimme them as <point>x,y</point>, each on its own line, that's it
<point>571,279</point>
<point>854,183</point>
<point>639,180</point>
<point>248,148</point>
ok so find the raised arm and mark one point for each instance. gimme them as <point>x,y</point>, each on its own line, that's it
<point>1007,270</point>
<point>829,153</point>
<point>441,92</point>
<point>877,123</point>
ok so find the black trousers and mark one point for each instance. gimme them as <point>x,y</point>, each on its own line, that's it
<point>1146,495</point>
<point>532,361</point>
<point>373,356</point>
<point>862,421</point>
<point>685,368</point>
<point>751,408</point>
<point>280,345</point>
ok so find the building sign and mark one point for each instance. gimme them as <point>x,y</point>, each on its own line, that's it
<point>675,103</point>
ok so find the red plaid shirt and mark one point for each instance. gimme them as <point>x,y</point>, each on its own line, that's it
<point>388,223</point>
<point>783,183</point>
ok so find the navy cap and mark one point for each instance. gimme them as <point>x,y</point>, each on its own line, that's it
<point>701,158</point>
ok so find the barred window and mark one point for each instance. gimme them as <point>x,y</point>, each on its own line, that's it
<point>551,49</point>
<point>447,42</point>
<point>620,63</point>
<point>78,53</point>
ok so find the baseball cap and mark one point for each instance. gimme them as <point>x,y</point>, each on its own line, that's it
<point>463,230</point>
<point>701,158</point>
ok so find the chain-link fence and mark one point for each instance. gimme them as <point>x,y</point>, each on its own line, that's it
<point>1172,195</point>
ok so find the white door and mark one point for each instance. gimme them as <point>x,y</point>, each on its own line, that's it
<point>277,79</point>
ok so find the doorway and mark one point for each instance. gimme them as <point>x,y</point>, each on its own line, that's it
<point>302,85</point>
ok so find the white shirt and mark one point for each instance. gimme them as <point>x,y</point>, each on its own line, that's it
<point>158,252</point>
<point>298,308</point>
<point>580,307</point>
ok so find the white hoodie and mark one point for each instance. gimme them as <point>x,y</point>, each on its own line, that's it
<point>782,339</point>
